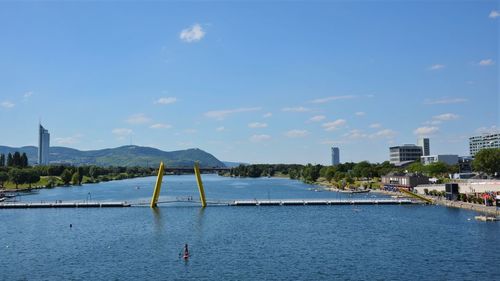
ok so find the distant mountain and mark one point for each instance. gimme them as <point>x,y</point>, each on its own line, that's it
<point>129,155</point>
<point>233,164</point>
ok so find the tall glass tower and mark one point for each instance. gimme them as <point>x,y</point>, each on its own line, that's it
<point>43,145</point>
<point>335,156</point>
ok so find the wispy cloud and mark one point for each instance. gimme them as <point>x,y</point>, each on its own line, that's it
<point>332,142</point>
<point>317,118</point>
<point>7,104</point>
<point>385,133</point>
<point>488,130</point>
<point>486,62</point>
<point>296,133</point>
<point>360,113</point>
<point>436,67</point>
<point>425,131</point>
<point>222,114</point>
<point>220,129</point>
<point>121,133</point>
<point>445,101</point>
<point>190,131</point>
<point>296,109</point>
<point>260,138</point>
<point>137,119</point>
<point>27,95</point>
<point>69,140</point>
<point>446,117</point>
<point>166,100</point>
<point>192,34</point>
<point>375,125</point>
<point>355,134</point>
<point>256,125</point>
<point>267,115</point>
<point>330,126</point>
<point>494,14</point>
<point>332,98</point>
<point>160,126</point>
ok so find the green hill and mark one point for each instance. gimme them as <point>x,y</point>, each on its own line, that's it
<point>129,155</point>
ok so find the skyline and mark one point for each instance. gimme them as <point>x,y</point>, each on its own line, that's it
<point>251,82</point>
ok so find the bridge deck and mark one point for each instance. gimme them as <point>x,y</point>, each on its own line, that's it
<point>321,202</point>
<point>26,205</point>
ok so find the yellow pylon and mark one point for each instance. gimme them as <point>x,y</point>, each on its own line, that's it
<point>156,192</point>
<point>200,184</point>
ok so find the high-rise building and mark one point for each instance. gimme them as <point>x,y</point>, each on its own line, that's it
<point>335,156</point>
<point>43,145</point>
<point>477,143</point>
<point>405,153</point>
<point>425,145</point>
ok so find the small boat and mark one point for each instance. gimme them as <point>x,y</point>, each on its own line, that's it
<point>359,191</point>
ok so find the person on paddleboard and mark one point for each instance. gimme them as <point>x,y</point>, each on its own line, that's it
<point>186,251</point>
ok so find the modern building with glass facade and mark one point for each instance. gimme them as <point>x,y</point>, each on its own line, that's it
<point>404,153</point>
<point>425,144</point>
<point>477,143</point>
<point>335,156</point>
<point>43,145</point>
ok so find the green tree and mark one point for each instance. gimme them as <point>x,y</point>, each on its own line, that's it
<point>16,159</point>
<point>3,178</point>
<point>75,179</point>
<point>330,173</point>
<point>9,160</point>
<point>488,161</point>
<point>2,160</point>
<point>16,176</point>
<point>24,160</point>
<point>66,176</point>
<point>436,168</point>
<point>31,176</point>
<point>416,167</point>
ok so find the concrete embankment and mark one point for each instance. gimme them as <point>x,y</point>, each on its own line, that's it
<point>469,206</point>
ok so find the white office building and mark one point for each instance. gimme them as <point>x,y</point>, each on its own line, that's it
<point>449,159</point>
<point>43,145</point>
<point>425,144</point>
<point>477,143</point>
<point>405,153</point>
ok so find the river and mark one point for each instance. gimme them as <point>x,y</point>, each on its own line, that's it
<point>399,242</point>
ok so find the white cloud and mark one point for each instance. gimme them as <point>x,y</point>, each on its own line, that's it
<point>220,129</point>
<point>190,131</point>
<point>69,140</point>
<point>488,130</point>
<point>332,98</point>
<point>166,100</point>
<point>332,142</point>
<point>260,138</point>
<point>267,115</point>
<point>446,117</point>
<point>27,95</point>
<point>192,34</point>
<point>355,134</point>
<point>330,126</point>
<point>221,114</point>
<point>317,118</point>
<point>486,62</point>
<point>425,131</point>
<point>296,109</point>
<point>386,133</point>
<point>360,113</point>
<point>138,119</point>
<point>255,125</point>
<point>494,14</point>
<point>436,66</point>
<point>7,104</point>
<point>375,125</point>
<point>297,133</point>
<point>121,133</point>
<point>160,126</point>
<point>445,101</point>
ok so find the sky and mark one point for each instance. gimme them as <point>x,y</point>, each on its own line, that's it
<point>251,81</point>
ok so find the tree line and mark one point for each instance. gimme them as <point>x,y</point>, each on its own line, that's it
<point>486,161</point>
<point>15,169</point>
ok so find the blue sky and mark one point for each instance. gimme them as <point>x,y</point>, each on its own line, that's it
<point>258,82</point>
